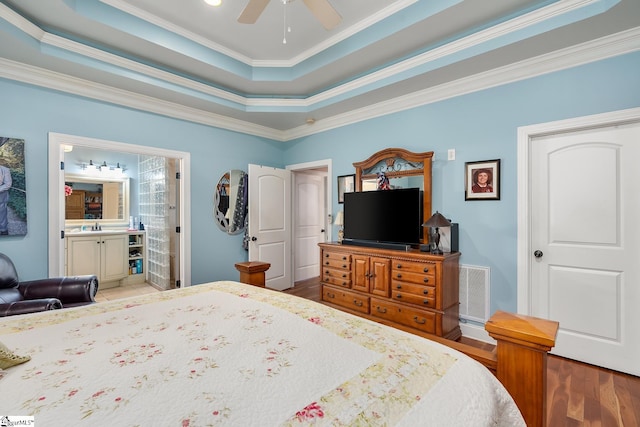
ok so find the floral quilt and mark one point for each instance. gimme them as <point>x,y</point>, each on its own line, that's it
<point>226,353</point>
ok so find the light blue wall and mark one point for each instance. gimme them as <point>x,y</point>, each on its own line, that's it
<point>481,126</point>
<point>30,113</point>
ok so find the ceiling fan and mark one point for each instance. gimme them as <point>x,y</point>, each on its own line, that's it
<point>322,9</point>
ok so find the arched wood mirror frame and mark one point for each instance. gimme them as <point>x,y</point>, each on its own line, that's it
<point>398,163</point>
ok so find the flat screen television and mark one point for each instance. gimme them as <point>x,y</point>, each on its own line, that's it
<point>386,216</point>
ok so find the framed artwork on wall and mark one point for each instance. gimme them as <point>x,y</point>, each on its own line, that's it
<point>13,195</point>
<point>346,184</point>
<point>482,180</point>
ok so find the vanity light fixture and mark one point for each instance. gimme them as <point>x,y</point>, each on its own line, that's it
<point>104,169</point>
<point>213,2</point>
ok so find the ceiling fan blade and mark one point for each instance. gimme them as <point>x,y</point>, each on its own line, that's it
<point>252,11</point>
<point>324,12</point>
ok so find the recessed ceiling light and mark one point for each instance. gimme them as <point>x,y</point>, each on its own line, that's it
<point>213,2</point>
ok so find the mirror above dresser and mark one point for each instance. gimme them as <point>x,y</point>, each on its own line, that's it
<point>403,169</point>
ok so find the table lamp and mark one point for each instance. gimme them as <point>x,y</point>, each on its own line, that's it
<point>436,221</point>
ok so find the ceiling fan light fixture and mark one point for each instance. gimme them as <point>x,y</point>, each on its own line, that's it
<point>213,2</point>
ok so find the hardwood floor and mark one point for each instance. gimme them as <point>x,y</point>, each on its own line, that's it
<point>578,394</point>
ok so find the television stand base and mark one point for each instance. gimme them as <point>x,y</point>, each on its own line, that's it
<point>380,245</point>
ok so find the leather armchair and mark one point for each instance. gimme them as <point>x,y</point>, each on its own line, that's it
<point>44,294</point>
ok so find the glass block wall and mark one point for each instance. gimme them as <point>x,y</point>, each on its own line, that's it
<point>154,214</point>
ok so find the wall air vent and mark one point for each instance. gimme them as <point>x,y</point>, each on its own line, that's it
<point>475,299</point>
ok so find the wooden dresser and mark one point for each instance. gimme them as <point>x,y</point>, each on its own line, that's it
<point>411,289</point>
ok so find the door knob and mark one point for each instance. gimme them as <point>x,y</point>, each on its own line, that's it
<point>254,238</point>
<point>538,254</point>
<point>322,231</point>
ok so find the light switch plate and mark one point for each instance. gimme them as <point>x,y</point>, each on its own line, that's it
<point>451,154</point>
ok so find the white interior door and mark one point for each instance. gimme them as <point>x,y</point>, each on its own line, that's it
<point>270,223</point>
<point>585,243</point>
<point>309,223</point>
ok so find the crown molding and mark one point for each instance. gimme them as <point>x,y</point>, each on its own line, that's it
<point>432,59</point>
<point>600,49</point>
<point>124,6</point>
<point>61,82</point>
<point>606,47</point>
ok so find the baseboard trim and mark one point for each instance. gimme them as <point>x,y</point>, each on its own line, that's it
<point>476,332</point>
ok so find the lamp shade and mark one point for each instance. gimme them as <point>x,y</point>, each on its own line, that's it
<point>339,219</point>
<point>437,220</point>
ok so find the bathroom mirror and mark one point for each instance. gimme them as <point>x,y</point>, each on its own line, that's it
<point>230,201</point>
<point>96,199</point>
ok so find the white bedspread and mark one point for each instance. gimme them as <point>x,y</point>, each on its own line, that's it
<point>225,353</point>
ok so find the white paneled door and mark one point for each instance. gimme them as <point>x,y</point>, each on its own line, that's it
<point>270,223</point>
<point>309,224</point>
<point>585,242</point>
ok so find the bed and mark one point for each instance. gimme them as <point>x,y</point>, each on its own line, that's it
<point>227,353</point>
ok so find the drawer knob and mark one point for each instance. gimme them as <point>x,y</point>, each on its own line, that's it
<point>326,263</point>
<point>399,266</point>
<point>425,280</point>
<point>381,310</point>
<point>425,302</point>
<point>399,296</point>
<point>357,303</point>
<point>344,258</point>
<point>398,286</point>
<point>399,275</point>
<point>326,255</point>
<point>327,273</point>
<point>344,275</point>
<point>426,291</point>
<point>344,266</point>
<point>330,295</point>
<point>419,321</point>
<point>426,269</point>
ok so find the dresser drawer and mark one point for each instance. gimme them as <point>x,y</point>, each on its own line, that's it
<point>418,290</point>
<point>419,278</point>
<point>336,256</point>
<point>428,268</point>
<point>350,300</point>
<point>424,321</point>
<point>336,263</point>
<point>422,301</point>
<point>336,276</point>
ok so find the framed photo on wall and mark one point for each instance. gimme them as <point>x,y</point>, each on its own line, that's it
<point>346,184</point>
<point>482,180</point>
